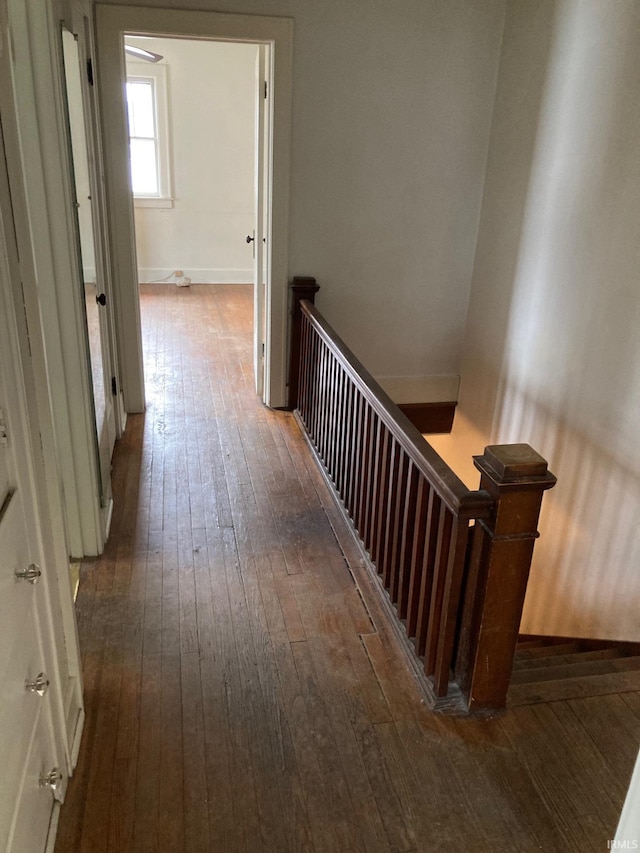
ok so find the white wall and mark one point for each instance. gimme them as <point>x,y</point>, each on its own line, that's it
<point>392,111</point>
<point>211,93</point>
<point>552,353</point>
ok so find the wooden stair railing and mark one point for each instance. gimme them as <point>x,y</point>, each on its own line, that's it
<point>454,561</point>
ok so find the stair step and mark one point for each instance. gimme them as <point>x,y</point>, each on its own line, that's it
<point>575,688</point>
<point>535,643</point>
<point>576,668</point>
<point>566,660</point>
<point>627,664</point>
<point>548,651</point>
<point>572,670</point>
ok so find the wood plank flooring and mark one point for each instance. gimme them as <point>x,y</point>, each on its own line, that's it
<point>242,691</point>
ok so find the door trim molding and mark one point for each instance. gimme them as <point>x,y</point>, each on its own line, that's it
<point>46,182</point>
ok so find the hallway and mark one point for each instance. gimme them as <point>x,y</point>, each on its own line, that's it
<point>242,692</point>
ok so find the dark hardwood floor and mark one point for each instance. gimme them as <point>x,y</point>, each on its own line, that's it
<point>242,692</point>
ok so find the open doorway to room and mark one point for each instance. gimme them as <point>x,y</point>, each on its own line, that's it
<point>197,139</point>
<point>271,41</point>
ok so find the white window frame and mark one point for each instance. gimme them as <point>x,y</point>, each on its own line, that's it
<point>144,71</point>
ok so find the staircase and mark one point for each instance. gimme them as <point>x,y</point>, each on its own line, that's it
<point>550,669</point>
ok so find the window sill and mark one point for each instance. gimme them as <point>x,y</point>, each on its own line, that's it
<point>141,201</point>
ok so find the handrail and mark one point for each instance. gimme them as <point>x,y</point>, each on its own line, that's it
<point>454,561</point>
<point>465,502</point>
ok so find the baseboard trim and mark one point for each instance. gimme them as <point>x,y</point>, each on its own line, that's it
<point>197,276</point>
<point>430,417</point>
<point>53,827</point>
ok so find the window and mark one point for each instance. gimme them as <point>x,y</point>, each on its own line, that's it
<point>148,135</point>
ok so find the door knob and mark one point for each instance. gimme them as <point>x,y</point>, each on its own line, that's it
<point>51,779</point>
<point>101,299</point>
<point>250,239</point>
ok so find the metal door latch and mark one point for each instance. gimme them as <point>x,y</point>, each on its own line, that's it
<point>39,686</point>
<point>51,779</point>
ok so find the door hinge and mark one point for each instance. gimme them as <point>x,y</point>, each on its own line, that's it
<point>26,320</point>
<point>4,439</point>
<point>90,71</point>
<point>114,387</point>
<point>265,88</point>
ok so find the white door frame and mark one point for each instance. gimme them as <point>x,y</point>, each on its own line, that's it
<point>259,218</point>
<point>37,78</point>
<point>112,23</point>
<point>22,348</point>
<point>83,158</point>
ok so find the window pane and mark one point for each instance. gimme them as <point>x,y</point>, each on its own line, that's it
<point>144,167</point>
<point>140,105</point>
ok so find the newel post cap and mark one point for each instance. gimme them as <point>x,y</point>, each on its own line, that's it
<point>515,465</point>
<point>304,287</point>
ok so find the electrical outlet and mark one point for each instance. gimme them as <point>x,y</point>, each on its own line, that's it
<point>178,273</point>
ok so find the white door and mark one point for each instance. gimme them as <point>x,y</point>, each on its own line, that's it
<point>92,286</point>
<point>27,744</point>
<point>259,231</point>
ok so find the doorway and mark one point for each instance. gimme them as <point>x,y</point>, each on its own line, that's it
<point>196,120</point>
<point>276,37</point>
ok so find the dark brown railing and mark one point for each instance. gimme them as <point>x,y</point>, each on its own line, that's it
<point>454,561</point>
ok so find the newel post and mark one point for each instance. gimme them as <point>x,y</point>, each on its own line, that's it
<point>302,287</point>
<point>516,477</point>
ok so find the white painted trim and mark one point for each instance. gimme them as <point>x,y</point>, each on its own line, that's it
<point>197,276</point>
<point>421,389</point>
<point>152,201</point>
<point>53,827</point>
<point>77,737</point>
<point>68,45</point>
<point>158,74</point>
<point>23,356</point>
<point>261,203</point>
<point>111,24</point>
<point>74,720</point>
<point>38,81</point>
<point>121,250</point>
<point>79,14</point>
<point>107,512</point>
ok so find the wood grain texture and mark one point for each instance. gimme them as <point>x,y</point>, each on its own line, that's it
<point>243,690</point>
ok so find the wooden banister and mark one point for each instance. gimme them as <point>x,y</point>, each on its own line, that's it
<point>460,499</point>
<point>454,561</point>
<point>516,477</point>
<point>302,287</point>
